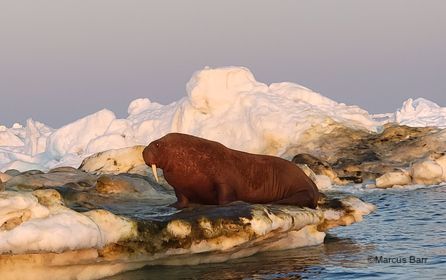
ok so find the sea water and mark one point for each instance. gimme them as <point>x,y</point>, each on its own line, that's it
<point>404,239</point>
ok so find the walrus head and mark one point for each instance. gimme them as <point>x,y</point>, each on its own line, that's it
<point>173,149</point>
<point>153,155</point>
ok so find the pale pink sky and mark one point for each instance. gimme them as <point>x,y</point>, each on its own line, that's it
<point>61,60</point>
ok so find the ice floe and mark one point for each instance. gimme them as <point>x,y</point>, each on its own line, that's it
<point>34,226</point>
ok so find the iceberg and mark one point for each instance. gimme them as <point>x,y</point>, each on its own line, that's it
<point>420,113</point>
<point>224,104</point>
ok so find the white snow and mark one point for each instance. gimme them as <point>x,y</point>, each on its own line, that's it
<point>7,138</point>
<point>416,113</point>
<point>55,228</point>
<point>421,112</point>
<point>427,172</point>
<point>223,104</point>
<point>393,178</point>
<point>114,161</point>
<point>74,138</point>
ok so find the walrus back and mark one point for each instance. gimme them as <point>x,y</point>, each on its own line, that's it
<point>270,179</point>
<point>226,175</point>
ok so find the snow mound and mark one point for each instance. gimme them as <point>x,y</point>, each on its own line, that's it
<point>420,113</point>
<point>28,226</point>
<point>224,104</point>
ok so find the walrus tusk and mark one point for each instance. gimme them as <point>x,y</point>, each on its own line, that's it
<point>155,173</point>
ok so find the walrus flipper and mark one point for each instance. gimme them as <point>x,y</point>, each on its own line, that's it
<point>225,194</point>
<point>182,201</point>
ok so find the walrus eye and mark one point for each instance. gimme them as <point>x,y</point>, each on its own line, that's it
<point>157,145</point>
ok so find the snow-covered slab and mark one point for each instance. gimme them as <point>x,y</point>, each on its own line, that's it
<point>27,226</point>
<point>116,161</point>
<point>42,239</point>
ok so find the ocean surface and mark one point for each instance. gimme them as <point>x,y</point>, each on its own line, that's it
<point>404,239</point>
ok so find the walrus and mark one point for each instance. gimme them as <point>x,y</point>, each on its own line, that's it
<point>207,172</point>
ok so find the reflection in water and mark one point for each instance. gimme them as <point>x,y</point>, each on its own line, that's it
<point>406,223</point>
<point>290,264</point>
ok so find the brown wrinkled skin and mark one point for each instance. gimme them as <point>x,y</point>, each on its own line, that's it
<point>206,172</point>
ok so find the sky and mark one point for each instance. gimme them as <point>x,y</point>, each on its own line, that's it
<point>61,60</point>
